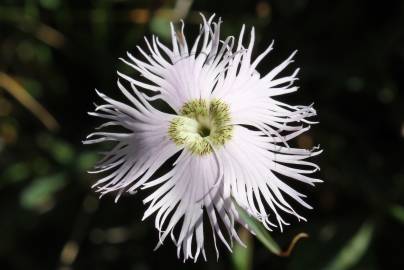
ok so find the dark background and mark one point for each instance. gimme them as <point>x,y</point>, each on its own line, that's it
<point>53,54</point>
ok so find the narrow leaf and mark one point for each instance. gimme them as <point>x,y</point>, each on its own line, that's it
<point>242,256</point>
<point>353,251</point>
<point>260,231</point>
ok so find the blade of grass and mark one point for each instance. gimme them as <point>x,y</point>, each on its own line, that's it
<point>22,95</point>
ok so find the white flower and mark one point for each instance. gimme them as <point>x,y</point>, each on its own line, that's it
<point>224,142</point>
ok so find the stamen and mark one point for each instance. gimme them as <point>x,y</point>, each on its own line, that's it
<point>201,125</point>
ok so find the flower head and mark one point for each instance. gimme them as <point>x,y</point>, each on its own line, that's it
<point>225,141</point>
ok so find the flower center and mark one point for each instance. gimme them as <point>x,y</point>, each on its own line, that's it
<point>201,125</point>
<point>204,131</point>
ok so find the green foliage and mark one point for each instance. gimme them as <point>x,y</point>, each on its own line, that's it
<point>50,4</point>
<point>242,256</point>
<point>161,27</point>
<point>397,211</point>
<point>15,173</point>
<point>61,151</point>
<point>86,161</point>
<point>260,232</point>
<point>41,192</point>
<point>351,54</point>
<point>353,251</point>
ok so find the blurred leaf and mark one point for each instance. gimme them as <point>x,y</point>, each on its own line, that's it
<point>160,25</point>
<point>86,161</point>
<point>353,251</point>
<point>33,87</point>
<point>31,9</point>
<point>51,37</point>
<point>62,151</point>
<point>242,256</point>
<point>40,192</point>
<point>43,54</point>
<point>8,132</point>
<point>15,173</point>
<point>397,211</point>
<point>50,4</point>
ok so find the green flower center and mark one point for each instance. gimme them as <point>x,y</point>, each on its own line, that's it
<point>201,125</point>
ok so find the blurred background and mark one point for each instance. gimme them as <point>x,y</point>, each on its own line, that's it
<point>53,53</point>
